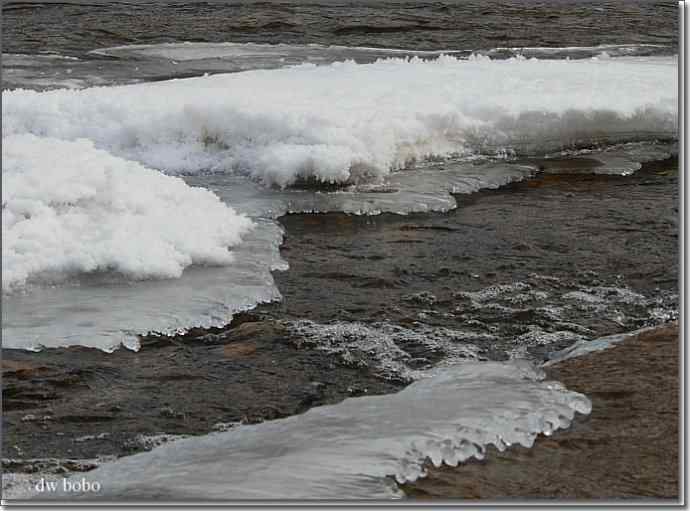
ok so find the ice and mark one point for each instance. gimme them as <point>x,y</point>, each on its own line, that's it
<point>97,249</point>
<point>353,123</point>
<point>259,56</point>
<point>143,62</point>
<point>583,347</point>
<point>354,449</point>
<point>604,51</point>
<point>626,159</point>
<point>105,314</point>
<point>46,71</point>
<point>70,209</point>
<point>412,191</point>
<point>20,476</point>
<point>644,152</point>
<point>399,135</point>
<point>107,310</point>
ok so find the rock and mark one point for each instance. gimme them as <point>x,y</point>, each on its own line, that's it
<point>239,349</point>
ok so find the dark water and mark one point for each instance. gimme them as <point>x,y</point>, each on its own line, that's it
<point>75,27</point>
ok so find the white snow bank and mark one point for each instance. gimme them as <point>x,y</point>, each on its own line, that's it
<point>353,122</point>
<point>105,314</point>
<point>347,450</point>
<point>68,208</point>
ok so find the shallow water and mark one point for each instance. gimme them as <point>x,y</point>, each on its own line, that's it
<point>32,26</point>
<point>362,108</point>
<point>39,53</point>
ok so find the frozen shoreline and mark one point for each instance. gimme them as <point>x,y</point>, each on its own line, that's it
<point>325,253</point>
<point>627,448</point>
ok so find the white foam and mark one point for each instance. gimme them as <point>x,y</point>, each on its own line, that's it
<point>391,351</point>
<point>350,450</point>
<point>69,208</point>
<point>349,122</point>
<point>603,297</point>
<point>535,336</point>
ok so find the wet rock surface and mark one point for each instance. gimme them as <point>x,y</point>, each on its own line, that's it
<point>518,272</point>
<point>564,255</point>
<point>83,403</point>
<point>626,448</point>
<point>581,227</point>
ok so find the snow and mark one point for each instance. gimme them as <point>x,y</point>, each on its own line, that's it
<point>69,208</point>
<point>348,122</point>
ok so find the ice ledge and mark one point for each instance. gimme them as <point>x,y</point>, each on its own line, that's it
<point>585,347</point>
<point>354,449</point>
